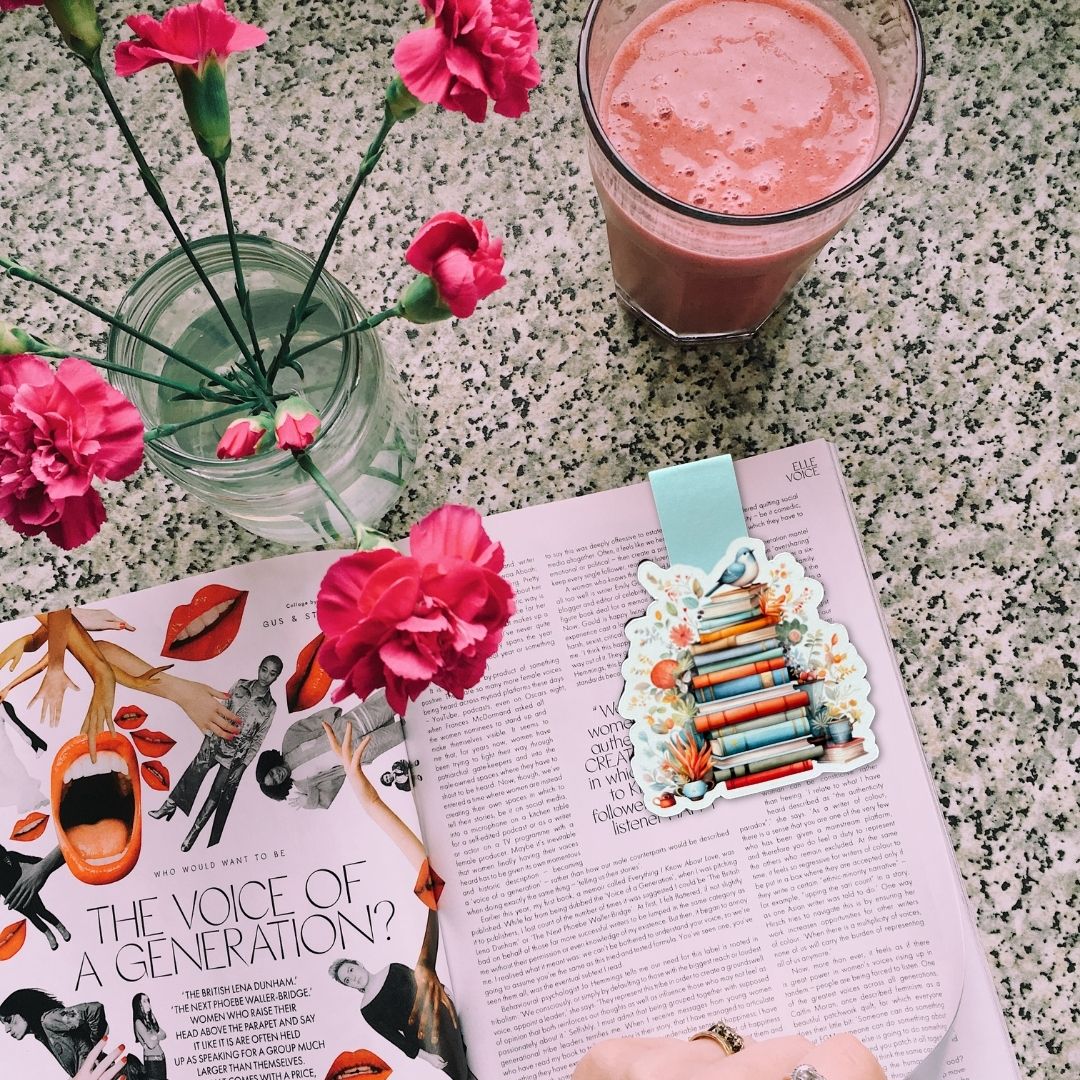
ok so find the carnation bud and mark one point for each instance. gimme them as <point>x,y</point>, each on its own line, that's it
<point>207,104</point>
<point>402,104</point>
<point>243,437</point>
<point>295,424</point>
<point>79,26</point>
<point>421,302</point>
<point>14,342</point>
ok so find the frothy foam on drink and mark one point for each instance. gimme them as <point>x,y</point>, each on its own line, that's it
<point>742,106</point>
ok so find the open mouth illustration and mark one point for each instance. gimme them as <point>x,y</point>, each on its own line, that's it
<point>207,626</point>
<point>156,775</point>
<point>152,744</point>
<point>354,1063</point>
<point>97,807</point>
<point>129,717</point>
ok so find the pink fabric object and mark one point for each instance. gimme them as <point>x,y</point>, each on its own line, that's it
<point>243,437</point>
<point>459,256</point>
<point>61,429</point>
<point>14,5</point>
<point>434,616</point>
<point>295,424</point>
<point>472,52</point>
<point>187,36</point>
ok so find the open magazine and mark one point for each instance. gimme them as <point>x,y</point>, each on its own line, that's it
<point>493,889</point>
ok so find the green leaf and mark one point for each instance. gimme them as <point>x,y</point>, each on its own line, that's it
<point>672,610</point>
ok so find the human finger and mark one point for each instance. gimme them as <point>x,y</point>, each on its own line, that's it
<point>229,720</point>
<point>358,753</point>
<point>332,738</point>
<point>447,1003</point>
<point>101,1061</point>
<point>18,895</point>
<point>617,1059</point>
<point>218,726</point>
<point>768,1058</point>
<point>843,1057</point>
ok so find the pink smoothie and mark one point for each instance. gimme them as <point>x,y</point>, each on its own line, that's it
<point>738,107</point>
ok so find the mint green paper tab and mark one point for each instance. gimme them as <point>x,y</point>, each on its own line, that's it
<point>700,509</point>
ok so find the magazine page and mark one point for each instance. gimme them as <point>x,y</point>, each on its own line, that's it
<point>976,1043</point>
<point>208,885</point>
<point>577,914</point>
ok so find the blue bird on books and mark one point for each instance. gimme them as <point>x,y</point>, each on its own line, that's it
<point>741,571</point>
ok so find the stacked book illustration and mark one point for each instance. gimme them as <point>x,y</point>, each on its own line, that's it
<point>845,751</point>
<point>752,711</point>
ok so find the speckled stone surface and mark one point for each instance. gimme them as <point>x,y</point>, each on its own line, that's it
<point>935,341</point>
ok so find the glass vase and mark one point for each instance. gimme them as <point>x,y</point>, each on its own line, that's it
<point>366,446</point>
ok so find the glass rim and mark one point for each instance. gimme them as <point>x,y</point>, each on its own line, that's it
<point>715,217</point>
<point>350,359</point>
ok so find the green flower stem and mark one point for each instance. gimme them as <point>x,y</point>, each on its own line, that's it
<point>17,271</point>
<point>365,537</point>
<point>299,311</point>
<point>365,324</point>
<point>241,287</point>
<point>43,348</point>
<point>194,391</point>
<point>163,431</point>
<point>97,73</point>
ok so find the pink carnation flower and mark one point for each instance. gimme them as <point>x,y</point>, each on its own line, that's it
<point>295,424</point>
<point>434,616</point>
<point>59,431</point>
<point>459,256</point>
<point>243,437</point>
<point>14,5</point>
<point>187,36</point>
<point>473,51</point>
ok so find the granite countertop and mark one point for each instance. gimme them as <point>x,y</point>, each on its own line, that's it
<point>934,341</point>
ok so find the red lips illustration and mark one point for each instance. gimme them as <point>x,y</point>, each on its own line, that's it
<point>153,744</point>
<point>308,684</point>
<point>97,807</point>
<point>12,938</point>
<point>129,717</point>
<point>207,626</point>
<point>155,774</point>
<point>30,827</point>
<point>358,1063</point>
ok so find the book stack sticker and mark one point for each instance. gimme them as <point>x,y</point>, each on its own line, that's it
<point>735,685</point>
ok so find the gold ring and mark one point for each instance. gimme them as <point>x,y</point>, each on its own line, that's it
<point>730,1041</point>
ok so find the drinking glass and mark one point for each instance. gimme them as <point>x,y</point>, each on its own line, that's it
<point>695,275</point>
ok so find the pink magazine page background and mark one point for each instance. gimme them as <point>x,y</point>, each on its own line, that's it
<point>575,914</point>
